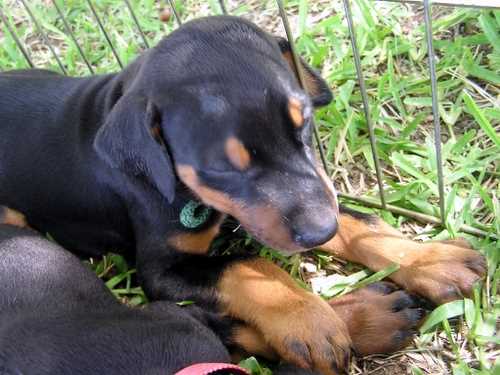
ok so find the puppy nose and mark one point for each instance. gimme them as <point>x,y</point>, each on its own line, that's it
<point>310,236</point>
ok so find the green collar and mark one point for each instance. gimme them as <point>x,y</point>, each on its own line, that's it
<point>194,214</point>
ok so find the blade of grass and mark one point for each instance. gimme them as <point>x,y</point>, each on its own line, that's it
<point>481,119</point>
<point>491,29</point>
<point>303,11</point>
<point>444,312</point>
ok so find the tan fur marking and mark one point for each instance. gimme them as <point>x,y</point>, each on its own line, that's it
<point>237,153</point>
<point>295,112</point>
<point>311,86</point>
<point>12,217</point>
<point>195,242</point>
<point>361,242</point>
<point>252,342</point>
<point>219,200</point>
<point>261,281</point>
<point>298,325</point>
<point>438,271</point>
<point>368,314</point>
<point>265,222</point>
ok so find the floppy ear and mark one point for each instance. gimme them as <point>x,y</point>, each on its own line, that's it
<point>315,86</point>
<point>125,142</point>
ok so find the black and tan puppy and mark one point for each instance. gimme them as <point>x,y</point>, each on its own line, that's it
<point>213,113</point>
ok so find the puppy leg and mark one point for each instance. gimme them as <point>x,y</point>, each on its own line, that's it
<point>380,319</point>
<point>299,326</point>
<point>439,271</point>
<point>11,217</point>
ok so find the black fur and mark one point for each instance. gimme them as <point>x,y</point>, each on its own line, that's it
<point>58,318</point>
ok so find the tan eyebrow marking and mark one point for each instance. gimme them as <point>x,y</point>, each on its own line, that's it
<point>295,112</point>
<point>237,153</point>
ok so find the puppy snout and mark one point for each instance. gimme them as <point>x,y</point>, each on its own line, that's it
<point>312,232</point>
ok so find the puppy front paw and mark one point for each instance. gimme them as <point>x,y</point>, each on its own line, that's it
<point>311,336</point>
<point>441,271</point>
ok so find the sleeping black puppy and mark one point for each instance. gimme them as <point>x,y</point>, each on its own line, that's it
<point>57,317</point>
<point>210,122</point>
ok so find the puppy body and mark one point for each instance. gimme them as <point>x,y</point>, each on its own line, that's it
<point>78,157</point>
<point>57,317</point>
<point>110,163</point>
<point>50,170</point>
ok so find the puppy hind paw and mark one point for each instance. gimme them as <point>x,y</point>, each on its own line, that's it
<point>380,318</point>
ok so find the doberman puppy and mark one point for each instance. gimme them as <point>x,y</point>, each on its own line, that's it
<point>213,113</point>
<point>57,317</point>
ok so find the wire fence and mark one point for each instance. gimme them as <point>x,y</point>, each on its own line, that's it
<point>382,203</point>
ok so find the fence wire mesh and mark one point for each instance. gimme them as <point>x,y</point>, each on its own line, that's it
<point>41,26</point>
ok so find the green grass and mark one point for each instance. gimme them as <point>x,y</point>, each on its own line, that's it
<point>394,60</point>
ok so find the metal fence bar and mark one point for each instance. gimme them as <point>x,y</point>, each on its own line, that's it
<point>435,110</point>
<point>73,38</point>
<point>44,36</point>
<point>366,105</point>
<point>174,10</point>
<point>298,71</point>
<point>136,21</point>
<point>12,32</point>
<point>103,30</point>
<point>223,6</point>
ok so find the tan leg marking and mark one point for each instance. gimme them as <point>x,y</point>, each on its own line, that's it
<point>380,319</point>
<point>252,341</point>
<point>298,325</point>
<point>439,271</point>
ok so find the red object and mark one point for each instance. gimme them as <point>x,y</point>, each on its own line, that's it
<point>210,368</point>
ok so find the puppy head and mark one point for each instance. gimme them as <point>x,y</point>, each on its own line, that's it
<point>223,97</point>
